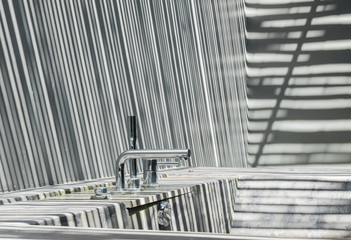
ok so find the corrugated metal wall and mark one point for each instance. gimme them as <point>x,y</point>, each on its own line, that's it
<point>72,71</point>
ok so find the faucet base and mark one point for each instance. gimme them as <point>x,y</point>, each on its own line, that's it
<point>133,184</point>
<point>150,179</point>
<point>150,173</point>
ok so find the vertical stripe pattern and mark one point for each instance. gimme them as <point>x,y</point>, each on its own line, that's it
<point>72,71</point>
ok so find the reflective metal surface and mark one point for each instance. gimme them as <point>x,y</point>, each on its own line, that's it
<point>164,215</point>
<point>150,173</point>
<point>145,154</point>
<point>101,193</point>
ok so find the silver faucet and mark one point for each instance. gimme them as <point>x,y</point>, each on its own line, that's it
<point>146,154</point>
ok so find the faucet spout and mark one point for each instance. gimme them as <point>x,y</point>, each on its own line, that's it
<point>146,154</point>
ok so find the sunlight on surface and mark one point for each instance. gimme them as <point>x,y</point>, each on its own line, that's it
<point>268,57</point>
<point>303,58</point>
<point>261,103</point>
<point>266,81</point>
<point>273,35</point>
<point>259,12</point>
<point>327,45</point>
<point>282,47</point>
<point>252,72</point>
<point>343,19</point>
<point>255,137</point>
<point>312,125</point>
<point>263,114</point>
<point>315,33</point>
<point>325,8</point>
<point>320,80</point>
<point>293,35</point>
<point>257,126</point>
<point>307,148</point>
<point>324,68</point>
<point>314,104</point>
<point>308,158</point>
<point>284,23</point>
<point>318,91</point>
<point>280,2</point>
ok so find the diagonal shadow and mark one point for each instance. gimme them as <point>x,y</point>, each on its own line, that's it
<point>299,82</point>
<point>286,82</point>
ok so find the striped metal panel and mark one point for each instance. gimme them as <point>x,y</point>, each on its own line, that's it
<point>72,71</point>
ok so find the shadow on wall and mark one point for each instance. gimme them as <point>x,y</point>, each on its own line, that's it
<point>299,81</point>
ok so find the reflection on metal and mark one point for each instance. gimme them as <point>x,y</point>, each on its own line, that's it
<point>164,215</point>
<point>72,71</point>
<point>150,173</point>
<point>101,193</point>
<point>132,144</point>
<point>146,155</point>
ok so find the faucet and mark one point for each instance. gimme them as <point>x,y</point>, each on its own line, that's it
<point>146,154</point>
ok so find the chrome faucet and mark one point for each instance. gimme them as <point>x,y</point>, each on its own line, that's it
<point>149,155</point>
